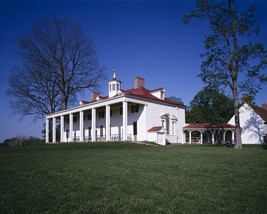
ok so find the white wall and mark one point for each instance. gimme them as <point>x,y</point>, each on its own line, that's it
<point>180,125</point>
<point>148,116</point>
<point>155,111</point>
<point>252,125</point>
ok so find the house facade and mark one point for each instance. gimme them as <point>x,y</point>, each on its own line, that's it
<point>253,122</point>
<point>136,114</point>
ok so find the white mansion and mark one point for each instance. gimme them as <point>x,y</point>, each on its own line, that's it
<point>136,114</point>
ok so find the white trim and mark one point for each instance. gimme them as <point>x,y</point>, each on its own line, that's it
<point>107,122</point>
<point>62,128</point>
<point>93,124</point>
<point>81,126</point>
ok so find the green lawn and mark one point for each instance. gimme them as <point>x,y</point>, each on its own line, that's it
<point>131,178</point>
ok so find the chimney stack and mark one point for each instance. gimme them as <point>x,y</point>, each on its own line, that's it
<point>94,95</point>
<point>246,99</point>
<point>139,82</point>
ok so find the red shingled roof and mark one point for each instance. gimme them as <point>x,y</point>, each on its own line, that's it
<point>261,112</point>
<point>209,126</point>
<point>141,92</point>
<point>85,102</point>
<point>155,129</point>
<point>145,93</point>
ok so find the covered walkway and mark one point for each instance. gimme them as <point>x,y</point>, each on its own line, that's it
<point>209,133</point>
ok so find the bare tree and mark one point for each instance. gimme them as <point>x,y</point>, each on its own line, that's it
<point>232,59</point>
<point>58,61</point>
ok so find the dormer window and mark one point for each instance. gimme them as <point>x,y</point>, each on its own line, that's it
<point>162,95</point>
<point>159,93</point>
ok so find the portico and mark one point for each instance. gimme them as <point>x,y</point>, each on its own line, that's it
<point>91,123</point>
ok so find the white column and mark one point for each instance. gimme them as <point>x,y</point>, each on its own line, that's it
<point>145,124</point>
<point>201,137</point>
<point>71,128</point>
<point>233,137</point>
<point>93,124</point>
<point>212,137</point>
<point>107,122</point>
<point>54,130</point>
<point>47,130</point>
<point>125,119</point>
<point>190,137</point>
<point>81,126</point>
<point>61,128</point>
<point>224,137</point>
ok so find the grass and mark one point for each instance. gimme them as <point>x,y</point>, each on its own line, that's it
<point>131,178</point>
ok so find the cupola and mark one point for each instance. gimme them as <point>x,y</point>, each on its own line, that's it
<point>114,85</point>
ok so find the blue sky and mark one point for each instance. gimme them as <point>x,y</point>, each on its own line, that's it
<point>140,38</point>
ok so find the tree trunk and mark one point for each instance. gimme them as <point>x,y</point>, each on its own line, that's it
<point>64,103</point>
<point>238,143</point>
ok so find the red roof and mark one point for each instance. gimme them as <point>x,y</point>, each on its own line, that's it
<point>261,112</point>
<point>209,126</point>
<point>157,89</point>
<point>155,129</point>
<point>145,93</point>
<point>103,97</point>
<point>85,102</point>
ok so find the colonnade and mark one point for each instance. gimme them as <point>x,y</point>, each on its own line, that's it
<point>212,133</point>
<point>81,124</point>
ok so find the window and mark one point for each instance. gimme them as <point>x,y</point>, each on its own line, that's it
<point>75,119</point>
<point>163,124</point>
<point>168,125</point>
<point>120,110</point>
<point>101,114</point>
<point>173,128</point>
<point>113,87</point>
<point>162,95</point>
<point>134,128</point>
<point>110,112</point>
<point>135,108</point>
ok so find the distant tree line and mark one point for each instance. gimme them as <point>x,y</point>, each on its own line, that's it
<point>22,141</point>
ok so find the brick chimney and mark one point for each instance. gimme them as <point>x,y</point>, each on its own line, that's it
<point>94,95</point>
<point>246,99</point>
<point>139,82</point>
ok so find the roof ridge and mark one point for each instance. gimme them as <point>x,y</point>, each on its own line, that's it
<point>262,112</point>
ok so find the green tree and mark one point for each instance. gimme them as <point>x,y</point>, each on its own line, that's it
<point>233,59</point>
<point>210,106</point>
<point>58,61</point>
<point>176,99</point>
